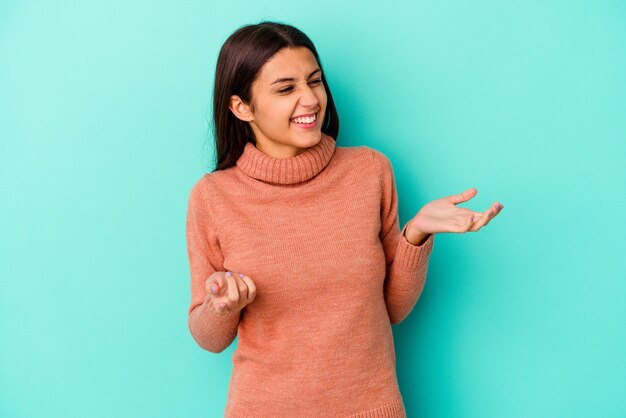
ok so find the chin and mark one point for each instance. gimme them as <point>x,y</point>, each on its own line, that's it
<point>309,139</point>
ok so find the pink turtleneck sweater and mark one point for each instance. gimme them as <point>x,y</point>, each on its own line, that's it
<point>319,235</point>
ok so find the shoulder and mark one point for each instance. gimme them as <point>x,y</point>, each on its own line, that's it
<point>379,161</point>
<point>366,163</point>
<point>210,183</point>
<point>364,155</point>
<point>197,196</point>
<point>204,187</point>
<point>199,188</point>
<point>205,196</point>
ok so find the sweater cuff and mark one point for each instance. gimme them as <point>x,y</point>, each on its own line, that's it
<point>208,319</point>
<point>211,314</point>
<point>411,256</point>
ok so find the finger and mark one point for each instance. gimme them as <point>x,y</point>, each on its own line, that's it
<point>216,284</point>
<point>220,306</point>
<point>496,210</point>
<point>242,288</point>
<point>484,218</point>
<point>463,197</point>
<point>251,288</point>
<point>489,215</point>
<point>208,282</point>
<point>233,291</point>
<point>222,300</point>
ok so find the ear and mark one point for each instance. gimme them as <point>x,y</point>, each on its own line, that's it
<point>240,109</point>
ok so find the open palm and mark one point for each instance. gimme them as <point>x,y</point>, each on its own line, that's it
<point>442,215</point>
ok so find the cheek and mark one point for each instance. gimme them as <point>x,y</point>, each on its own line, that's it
<point>322,98</point>
<point>283,111</point>
<point>274,115</point>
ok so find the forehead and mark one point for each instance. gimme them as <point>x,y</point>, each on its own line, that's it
<point>289,62</point>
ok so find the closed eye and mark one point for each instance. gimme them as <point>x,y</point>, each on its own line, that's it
<point>287,89</point>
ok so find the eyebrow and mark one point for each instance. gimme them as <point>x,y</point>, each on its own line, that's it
<point>280,80</point>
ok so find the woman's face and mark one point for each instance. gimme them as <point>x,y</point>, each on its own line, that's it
<point>287,86</point>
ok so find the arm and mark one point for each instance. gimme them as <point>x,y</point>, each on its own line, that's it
<point>407,264</point>
<point>211,330</point>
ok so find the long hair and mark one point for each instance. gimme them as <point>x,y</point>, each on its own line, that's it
<point>238,64</point>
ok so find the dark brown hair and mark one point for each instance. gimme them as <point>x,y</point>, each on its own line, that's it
<point>238,65</point>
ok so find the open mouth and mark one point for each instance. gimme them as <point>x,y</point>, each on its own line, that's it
<point>305,121</point>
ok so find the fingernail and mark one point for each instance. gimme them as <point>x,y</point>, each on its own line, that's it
<point>214,288</point>
<point>229,273</point>
<point>241,274</point>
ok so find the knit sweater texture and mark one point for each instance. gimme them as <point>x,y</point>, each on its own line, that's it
<point>319,235</point>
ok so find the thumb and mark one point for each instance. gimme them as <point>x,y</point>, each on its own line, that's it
<point>463,197</point>
<point>216,284</point>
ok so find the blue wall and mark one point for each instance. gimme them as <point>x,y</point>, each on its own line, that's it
<point>103,130</point>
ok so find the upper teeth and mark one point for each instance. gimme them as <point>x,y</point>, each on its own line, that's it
<point>308,119</point>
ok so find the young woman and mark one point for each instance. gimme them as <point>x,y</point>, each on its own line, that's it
<point>294,243</point>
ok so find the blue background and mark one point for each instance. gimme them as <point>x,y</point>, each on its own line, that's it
<point>104,110</point>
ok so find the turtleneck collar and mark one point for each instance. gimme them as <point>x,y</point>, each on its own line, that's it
<point>302,167</point>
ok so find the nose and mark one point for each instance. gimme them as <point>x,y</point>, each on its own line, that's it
<point>308,98</point>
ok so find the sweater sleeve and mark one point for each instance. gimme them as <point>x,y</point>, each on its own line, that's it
<point>212,331</point>
<point>407,264</point>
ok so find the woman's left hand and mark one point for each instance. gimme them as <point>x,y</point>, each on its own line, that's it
<point>442,215</point>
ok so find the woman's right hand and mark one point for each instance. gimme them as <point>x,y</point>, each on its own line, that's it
<point>230,292</point>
